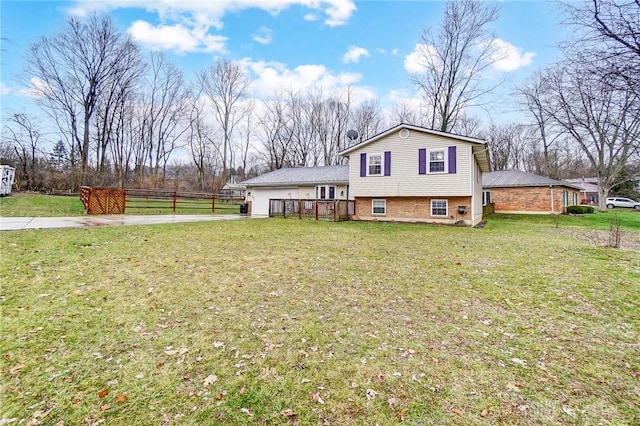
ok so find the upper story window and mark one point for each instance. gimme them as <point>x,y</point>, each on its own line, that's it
<point>375,165</point>
<point>437,161</point>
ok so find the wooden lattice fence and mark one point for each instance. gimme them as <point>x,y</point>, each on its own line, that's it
<point>102,200</point>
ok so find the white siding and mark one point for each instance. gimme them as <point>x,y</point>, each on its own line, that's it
<point>259,197</point>
<point>405,179</point>
<point>309,192</point>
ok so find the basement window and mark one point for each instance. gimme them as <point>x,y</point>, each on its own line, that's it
<point>379,207</point>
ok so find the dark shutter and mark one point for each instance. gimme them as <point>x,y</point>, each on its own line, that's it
<point>387,163</point>
<point>452,159</point>
<point>363,165</point>
<point>422,161</point>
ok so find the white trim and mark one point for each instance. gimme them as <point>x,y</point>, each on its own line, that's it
<point>445,151</point>
<point>373,202</point>
<point>417,129</point>
<point>375,154</point>
<point>446,208</point>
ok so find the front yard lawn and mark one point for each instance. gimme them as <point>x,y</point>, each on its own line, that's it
<point>301,322</point>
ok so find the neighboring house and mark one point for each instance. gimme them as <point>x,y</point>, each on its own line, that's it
<point>301,183</point>
<point>410,173</point>
<point>514,191</point>
<point>233,189</point>
<point>588,191</point>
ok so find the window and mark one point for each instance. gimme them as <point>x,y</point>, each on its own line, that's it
<point>379,207</point>
<point>486,197</point>
<point>325,192</point>
<point>375,164</point>
<point>436,161</point>
<point>575,198</point>
<point>439,207</point>
<point>565,198</point>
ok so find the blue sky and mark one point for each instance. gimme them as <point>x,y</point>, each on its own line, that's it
<point>288,43</point>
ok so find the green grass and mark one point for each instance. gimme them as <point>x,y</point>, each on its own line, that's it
<point>344,323</point>
<point>40,205</point>
<point>629,219</point>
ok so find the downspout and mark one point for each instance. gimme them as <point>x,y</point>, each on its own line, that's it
<point>473,181</point>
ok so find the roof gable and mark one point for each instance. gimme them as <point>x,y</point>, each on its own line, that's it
<point>479,146</point>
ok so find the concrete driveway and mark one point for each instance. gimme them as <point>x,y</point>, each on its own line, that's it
<point>17,223</point>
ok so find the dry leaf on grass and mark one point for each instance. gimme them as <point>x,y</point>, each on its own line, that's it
<point>103,393</point>
<point>211,378</point>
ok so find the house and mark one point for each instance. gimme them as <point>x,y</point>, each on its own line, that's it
<point>410,173</point>
<point>300,183</point>
<point>589,191</point>
<point>232,189</point>
<point>515,191</point>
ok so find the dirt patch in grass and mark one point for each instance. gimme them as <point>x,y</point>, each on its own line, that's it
<point>300,322</point>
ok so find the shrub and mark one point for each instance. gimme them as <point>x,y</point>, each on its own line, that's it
<point>579,209</point>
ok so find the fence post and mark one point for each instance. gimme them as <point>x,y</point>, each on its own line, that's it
<point>315,208</point>
<point>213,204</point>
<point>175,194</point>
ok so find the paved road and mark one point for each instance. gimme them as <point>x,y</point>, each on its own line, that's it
<point>17,223</point>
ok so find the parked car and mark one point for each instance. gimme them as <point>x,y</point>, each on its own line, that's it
<point>613,202</point>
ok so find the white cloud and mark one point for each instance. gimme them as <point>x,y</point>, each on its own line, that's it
<point>176,37</point>
<point>271,77</point>
<point>211,12</point>
<point>4,89</point>
<point>354,54</point>
<point>506,57</point>
<point>263,35</point>
<point>414,62</point>
<point>187,25</point>
<point>509,57</point>
<point>37,89</point>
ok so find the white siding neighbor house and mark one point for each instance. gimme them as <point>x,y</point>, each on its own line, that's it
<point>300,183</point>
<point>410,173</point>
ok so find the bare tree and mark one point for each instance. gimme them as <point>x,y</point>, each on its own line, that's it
<point>367,119</point>
<point>164,112</point>
<point>508,146</point>
<point>601,119</point>
<point>453,60</point>
<point>68,71</point>
<point>403,112</point>
<point>23,134</point>
<point>608,38</point>
<point>226,85</point>
<point>201,142</point>
<point>535,93</point>
<point>274,124</point>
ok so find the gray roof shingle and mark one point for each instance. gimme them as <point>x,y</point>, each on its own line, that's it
<point>512,178</point>
<point>302,176</point>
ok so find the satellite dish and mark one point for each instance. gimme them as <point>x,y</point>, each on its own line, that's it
<point>352,135</point>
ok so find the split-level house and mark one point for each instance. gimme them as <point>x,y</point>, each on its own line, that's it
<point>404,174</point>
<point>410,173</point>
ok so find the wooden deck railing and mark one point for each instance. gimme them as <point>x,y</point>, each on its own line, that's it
<point>331,210</point>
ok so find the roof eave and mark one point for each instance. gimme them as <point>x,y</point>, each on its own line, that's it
<point>379,136</point>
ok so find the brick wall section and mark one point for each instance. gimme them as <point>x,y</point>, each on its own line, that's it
<point>530,199</point>
<point>413,209</point>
